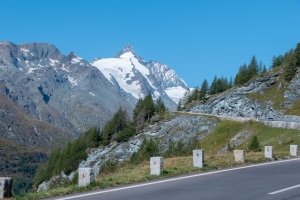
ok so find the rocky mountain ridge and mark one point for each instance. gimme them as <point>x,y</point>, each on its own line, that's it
<point>65,91</point>
<point>134,75</point>
<point>70,93</point>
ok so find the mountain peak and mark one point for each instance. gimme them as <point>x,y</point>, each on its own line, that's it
<point>5,42</point>
<point>127,48</point>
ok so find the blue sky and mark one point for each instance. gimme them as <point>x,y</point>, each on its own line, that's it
<point>197,38</point>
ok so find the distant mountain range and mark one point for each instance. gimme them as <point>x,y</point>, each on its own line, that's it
<point>73,94</point>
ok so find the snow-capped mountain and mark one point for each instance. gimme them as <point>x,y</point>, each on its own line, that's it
<point>73,94</point>
<point>131,73</point>
<point>62,90</point>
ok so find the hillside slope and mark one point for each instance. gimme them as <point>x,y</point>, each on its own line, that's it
<point>20,127</point>
<point>267,96</point>
<point>20,162</point>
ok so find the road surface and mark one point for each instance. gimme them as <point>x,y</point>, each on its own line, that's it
<point>272,180</point>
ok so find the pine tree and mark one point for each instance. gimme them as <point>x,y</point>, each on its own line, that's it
<point>264,69</point>
<point>148,107</point>
<point>291,68</point>
<point>277,61</point>
<point>230,84</point>
<point>242,76</point>
<point>254,144</point>
<point>185,96</point>
<point>138,108</point>
<point>253,68</point>
<point>160,106</point>
<point>297,55</point>
<point>179,106</point>
<point>203,90</point>
<point>213,88</point>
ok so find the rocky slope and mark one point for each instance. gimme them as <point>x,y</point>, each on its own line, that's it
<point>184,127</point>
<point>177,127</point>
<point>65,91</point>
<point>266,97</point>
<point>134,75</point>
<point>20,127</point>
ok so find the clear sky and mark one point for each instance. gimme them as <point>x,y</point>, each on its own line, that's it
<point>197,38</point>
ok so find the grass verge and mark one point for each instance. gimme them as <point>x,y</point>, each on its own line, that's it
<point>129,174</point>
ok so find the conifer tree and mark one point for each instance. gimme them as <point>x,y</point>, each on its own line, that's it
<point>160,106</point>
<point>277,61</point>
<point>213,87</point>
<point>253,68</point>
<point>179,106</point>
<point>230,84</point>
<point>291,69</point>
<point>297,55</point>
<point>241,76</point>
<point>264,69</point>
<point>203,90</point>
<point>148,107</point>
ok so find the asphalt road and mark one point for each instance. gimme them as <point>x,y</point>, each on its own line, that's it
<point>273,180</point>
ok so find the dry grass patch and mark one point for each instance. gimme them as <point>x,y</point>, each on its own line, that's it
<point>129,174</point>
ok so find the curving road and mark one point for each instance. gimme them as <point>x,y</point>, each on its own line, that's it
<point>266,181</point>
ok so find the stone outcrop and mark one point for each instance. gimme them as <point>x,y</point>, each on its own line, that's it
<point>184,127</point>
<point>235,103</point>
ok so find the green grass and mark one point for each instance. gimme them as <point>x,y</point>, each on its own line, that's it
<point>274,93</point>
<point>280,138</point>
<point>294,110</point>
<point>220,136</point>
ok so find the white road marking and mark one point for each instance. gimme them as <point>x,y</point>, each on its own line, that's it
<point>175,179</point>
<point>285,189</point>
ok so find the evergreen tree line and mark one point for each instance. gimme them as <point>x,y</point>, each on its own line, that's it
<point>247,72</point>
<point>119,128</point>
<point>218,85</point>
<point>290,60</point>
<point>67,159</point>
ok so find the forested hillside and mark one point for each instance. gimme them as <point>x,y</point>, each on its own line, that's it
<point>290,60</point>
<point>119,128</point>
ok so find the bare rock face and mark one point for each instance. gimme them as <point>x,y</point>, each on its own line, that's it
<point>5,187</point>
<point>235,103</point>
<point>65,91</point>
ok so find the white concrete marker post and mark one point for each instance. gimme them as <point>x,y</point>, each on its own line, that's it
<point>198,158</point>
<point>85,176</point>
<point>156,165</point>
<point>268,151</point>
<point>294,150</point>
<point>239,155</point>
<point>5,187</point>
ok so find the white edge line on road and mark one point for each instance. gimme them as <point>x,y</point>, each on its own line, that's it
<point>285,189</point>
<point>175,179</point>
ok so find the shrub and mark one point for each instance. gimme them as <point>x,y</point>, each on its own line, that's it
<point>254,144</point>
